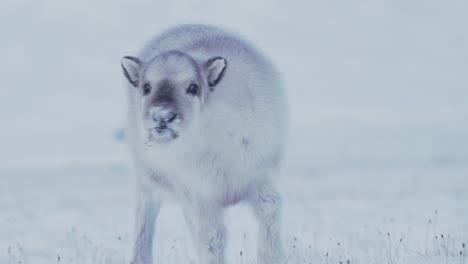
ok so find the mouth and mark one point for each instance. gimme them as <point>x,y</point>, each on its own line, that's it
<point>161,135</point>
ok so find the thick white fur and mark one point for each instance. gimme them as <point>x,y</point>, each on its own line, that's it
<point>230,153</point>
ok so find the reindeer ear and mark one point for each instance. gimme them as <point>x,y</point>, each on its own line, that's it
<point>215,68</point>
<point>131,68</point>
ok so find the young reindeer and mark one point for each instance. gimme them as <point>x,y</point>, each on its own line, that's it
<point>207,122</point>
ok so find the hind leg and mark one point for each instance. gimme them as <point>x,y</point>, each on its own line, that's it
<point>266,204</point>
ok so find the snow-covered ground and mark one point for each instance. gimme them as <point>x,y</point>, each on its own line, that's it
<point>378,153</point>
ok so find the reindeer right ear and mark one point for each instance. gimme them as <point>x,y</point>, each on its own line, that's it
<point>131,69</point>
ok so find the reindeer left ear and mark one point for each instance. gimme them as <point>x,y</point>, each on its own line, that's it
<point>215,68</point>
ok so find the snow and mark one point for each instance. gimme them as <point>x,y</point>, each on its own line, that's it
<point>378,147</point>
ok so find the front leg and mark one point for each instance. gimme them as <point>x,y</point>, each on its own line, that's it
<point>146,213</point>
<point>208,231</point>
<point>266,203</point>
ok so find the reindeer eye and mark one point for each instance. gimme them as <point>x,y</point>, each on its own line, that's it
<point>192,89</point>
<point>146,89</point>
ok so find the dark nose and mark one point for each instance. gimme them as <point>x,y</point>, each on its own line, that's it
<point>162,115</point>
